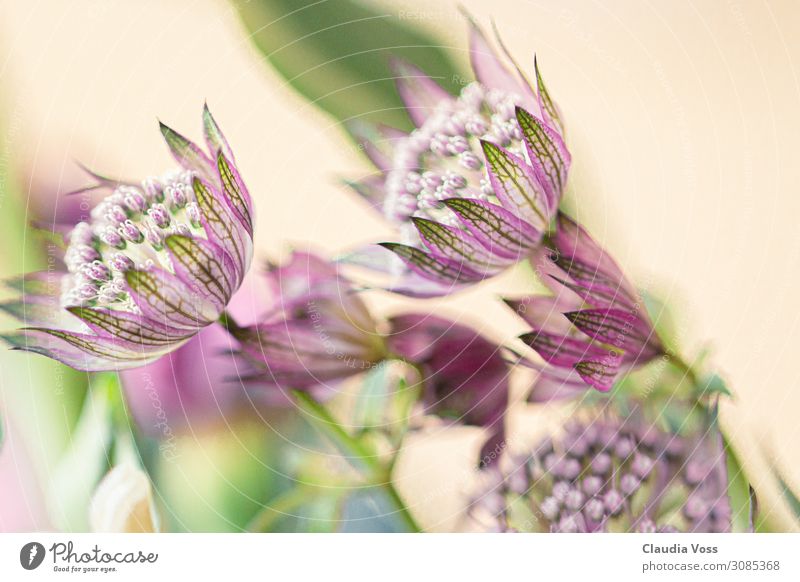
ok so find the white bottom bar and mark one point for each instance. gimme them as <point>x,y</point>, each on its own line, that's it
<point>402,557</point>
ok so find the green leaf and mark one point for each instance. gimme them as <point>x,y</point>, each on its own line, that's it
<point>790,496</point>
<point>337,54</point>
<point>403,406</point>
<point>663,320</point>
<point>354,450</point>
<point>32,388</point>
<point>216,478</point>
<point>83,463</point>
<point>738,492</point>
<point>370,408</point>
<point>371,510</point>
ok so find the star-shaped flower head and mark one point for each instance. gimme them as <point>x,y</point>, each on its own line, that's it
<point>475,186</point>
<point>150,267</point>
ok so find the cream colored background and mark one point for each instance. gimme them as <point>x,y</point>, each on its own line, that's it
<point>683,120</point>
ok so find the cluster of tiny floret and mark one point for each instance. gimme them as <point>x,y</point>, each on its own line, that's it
<point>591,477</point>
<point>127,231</point>
<point>443,158</point>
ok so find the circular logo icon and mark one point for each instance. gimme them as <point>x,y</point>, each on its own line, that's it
<point>31,555</point>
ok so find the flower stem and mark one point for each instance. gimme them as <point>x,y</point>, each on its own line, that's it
<point>402,511</point>
<point>687,370</point>
<point>280,507</point>
<point>363,458</point>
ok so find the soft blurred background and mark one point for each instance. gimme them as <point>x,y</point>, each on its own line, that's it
<point>684,125</point>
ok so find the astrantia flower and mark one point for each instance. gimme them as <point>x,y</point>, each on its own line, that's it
<point>610,474</point>
<point>152,266</point>
<point>476,184</point>
<point>594,326</point>
<point>316,330</point>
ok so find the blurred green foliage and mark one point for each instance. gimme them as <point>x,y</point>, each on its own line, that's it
<point>336,54</point>
<point>43,398</point>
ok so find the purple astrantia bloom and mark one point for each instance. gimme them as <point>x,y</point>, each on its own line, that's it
<point>464,375</point>
<point>316,330</point>
<point>594,326</point>
<point>475,186</point>
<point>610,474</point>
<point>151,267</point>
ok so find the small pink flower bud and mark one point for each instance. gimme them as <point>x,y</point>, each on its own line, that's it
<point>159,214</point>
<point>121,262</point>
<point>130,232</point>
<point>96,271</point>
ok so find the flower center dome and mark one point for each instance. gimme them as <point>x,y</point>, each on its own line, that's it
<point>443,158</point>
<point>126,231</point>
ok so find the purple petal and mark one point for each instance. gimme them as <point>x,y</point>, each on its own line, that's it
<point>81,351</point>
<point>224,228</point>
<point>214,137</point>
<point>516,186</point>
<point>187,154</point>
<point>102,182</point>
<point>39,283</point>
<point>560,350</point>
<point>191,385</point>
<point>297,351</point>
<point>530,98</point>
<point>453,244</point>
<point>465,375</point>
<point>404,281</point>
<point>163,297</point>
<point>616,327</point>
<point>573,278</point>
<point>547,107</point>
<point>35,310</point>
<point>133,330</point>
<point>488,68</point>
<point>436,269</point>
<point>204,267</point>
<point>502,233</point>
<point>548,155</point>
<point>310,286</point>
<point>545,312</point>
<point>420,94</point>
<point>236,192</point>
<point>378,142</point>
<point>595,292</point>
<point>410,284</point>
<point>600,374</point>
<point>588,264</point>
